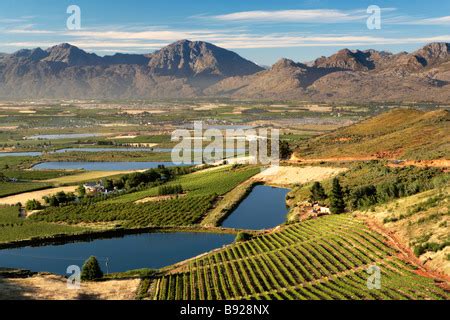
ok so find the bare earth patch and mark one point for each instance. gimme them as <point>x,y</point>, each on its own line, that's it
<point>293,175</point>
<point>160,198</point>
<point>85,176</point>
<point>38,195</point>
<point>53,287</point>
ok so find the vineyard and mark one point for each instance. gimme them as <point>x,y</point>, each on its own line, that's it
<point>326,258</point>
<point>13,228</point>
<point>202,190</point>
<point>218,181</point>
<point>175,212</point>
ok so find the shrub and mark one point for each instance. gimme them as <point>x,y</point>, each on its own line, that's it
<point>33,205</point>
<point>91,270</point>
<point>243,236</point>
<point>165,190</point>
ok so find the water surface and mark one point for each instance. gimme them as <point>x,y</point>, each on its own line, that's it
<point>63,136</point>
<point>150,250</point>
<point>264,208</point>
<point>100,166</point>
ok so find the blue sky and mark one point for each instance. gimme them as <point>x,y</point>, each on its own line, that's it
<point>260,30</point>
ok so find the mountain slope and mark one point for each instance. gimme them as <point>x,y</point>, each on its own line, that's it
<point>187,59</point>
<point>65,71</point>
<point>192,69</point>
<point>397,134</point>
<point>359,76</point>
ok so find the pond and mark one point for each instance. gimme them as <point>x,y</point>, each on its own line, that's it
<point>63,136</point>
<point>156,150</point>
<point>150,250</point>
<point>264,208</point>
<point>20,154</point>
<point>100,166</point>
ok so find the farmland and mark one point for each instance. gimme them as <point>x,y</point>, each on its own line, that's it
<point>13,188</point>
<point>318,259</point>
<point>326,257</point>
<point>202,191</point>
<point>14,228</point>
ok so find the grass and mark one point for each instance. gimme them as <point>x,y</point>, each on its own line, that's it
<point>14,228</point>
<point>421,220</point>
<point>399,134</point>
<point>322,259</point>
<point>86,176</point>
<point>37,174</point>
<point>14,188</point>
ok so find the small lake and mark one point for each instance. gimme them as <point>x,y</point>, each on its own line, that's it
<point>150,250</point>
<point>156,150</point>
<point>20,154</point>
<point>264,208</point>
<point>63,136</point>
<point>100,166</point>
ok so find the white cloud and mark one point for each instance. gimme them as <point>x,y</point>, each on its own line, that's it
<point>435,21</point>
<point>309,16</point>
<point>138,43</point>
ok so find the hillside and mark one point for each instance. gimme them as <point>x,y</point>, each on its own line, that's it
<point>325,258</point>
<point>397,134</point>
<point>420,222</point>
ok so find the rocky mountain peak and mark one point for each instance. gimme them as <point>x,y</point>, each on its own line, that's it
<point>433,53</point>
<point>71,55</point>
<point>197,58</point>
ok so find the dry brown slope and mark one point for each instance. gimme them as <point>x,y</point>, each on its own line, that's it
<point>396,134</point>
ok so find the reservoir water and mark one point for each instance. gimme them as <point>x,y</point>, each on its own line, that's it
<point>150,250</point>
<point>100,166</point>
<point>264,208</point>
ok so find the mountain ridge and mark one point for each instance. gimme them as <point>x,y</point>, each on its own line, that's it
<point>193,69</point>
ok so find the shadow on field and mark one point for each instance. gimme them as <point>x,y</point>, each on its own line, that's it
<point>11,289</point>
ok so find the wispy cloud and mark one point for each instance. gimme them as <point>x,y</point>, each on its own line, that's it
<point>435,21</point>
<point>297,16</point>
<point>141,41</point>
<point>321,16</point>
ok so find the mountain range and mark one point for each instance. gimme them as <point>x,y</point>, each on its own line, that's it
<point>189,69</point>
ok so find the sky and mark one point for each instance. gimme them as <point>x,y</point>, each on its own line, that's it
<point>260,30</point>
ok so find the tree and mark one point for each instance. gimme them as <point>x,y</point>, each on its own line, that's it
<point>108,184</point>
<point>317,192</point>
<point>33,205</point>
<point>337,204</point>
<point>285,150</point>
<point>81,190</point>
<point>91,270</point>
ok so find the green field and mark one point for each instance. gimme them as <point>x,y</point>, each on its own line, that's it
<point>219,181</point>
<point>14,228</point>
<point>37,174</point>
<point>202,191</point>
<point>13,188</point>
<point>318,259</point>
